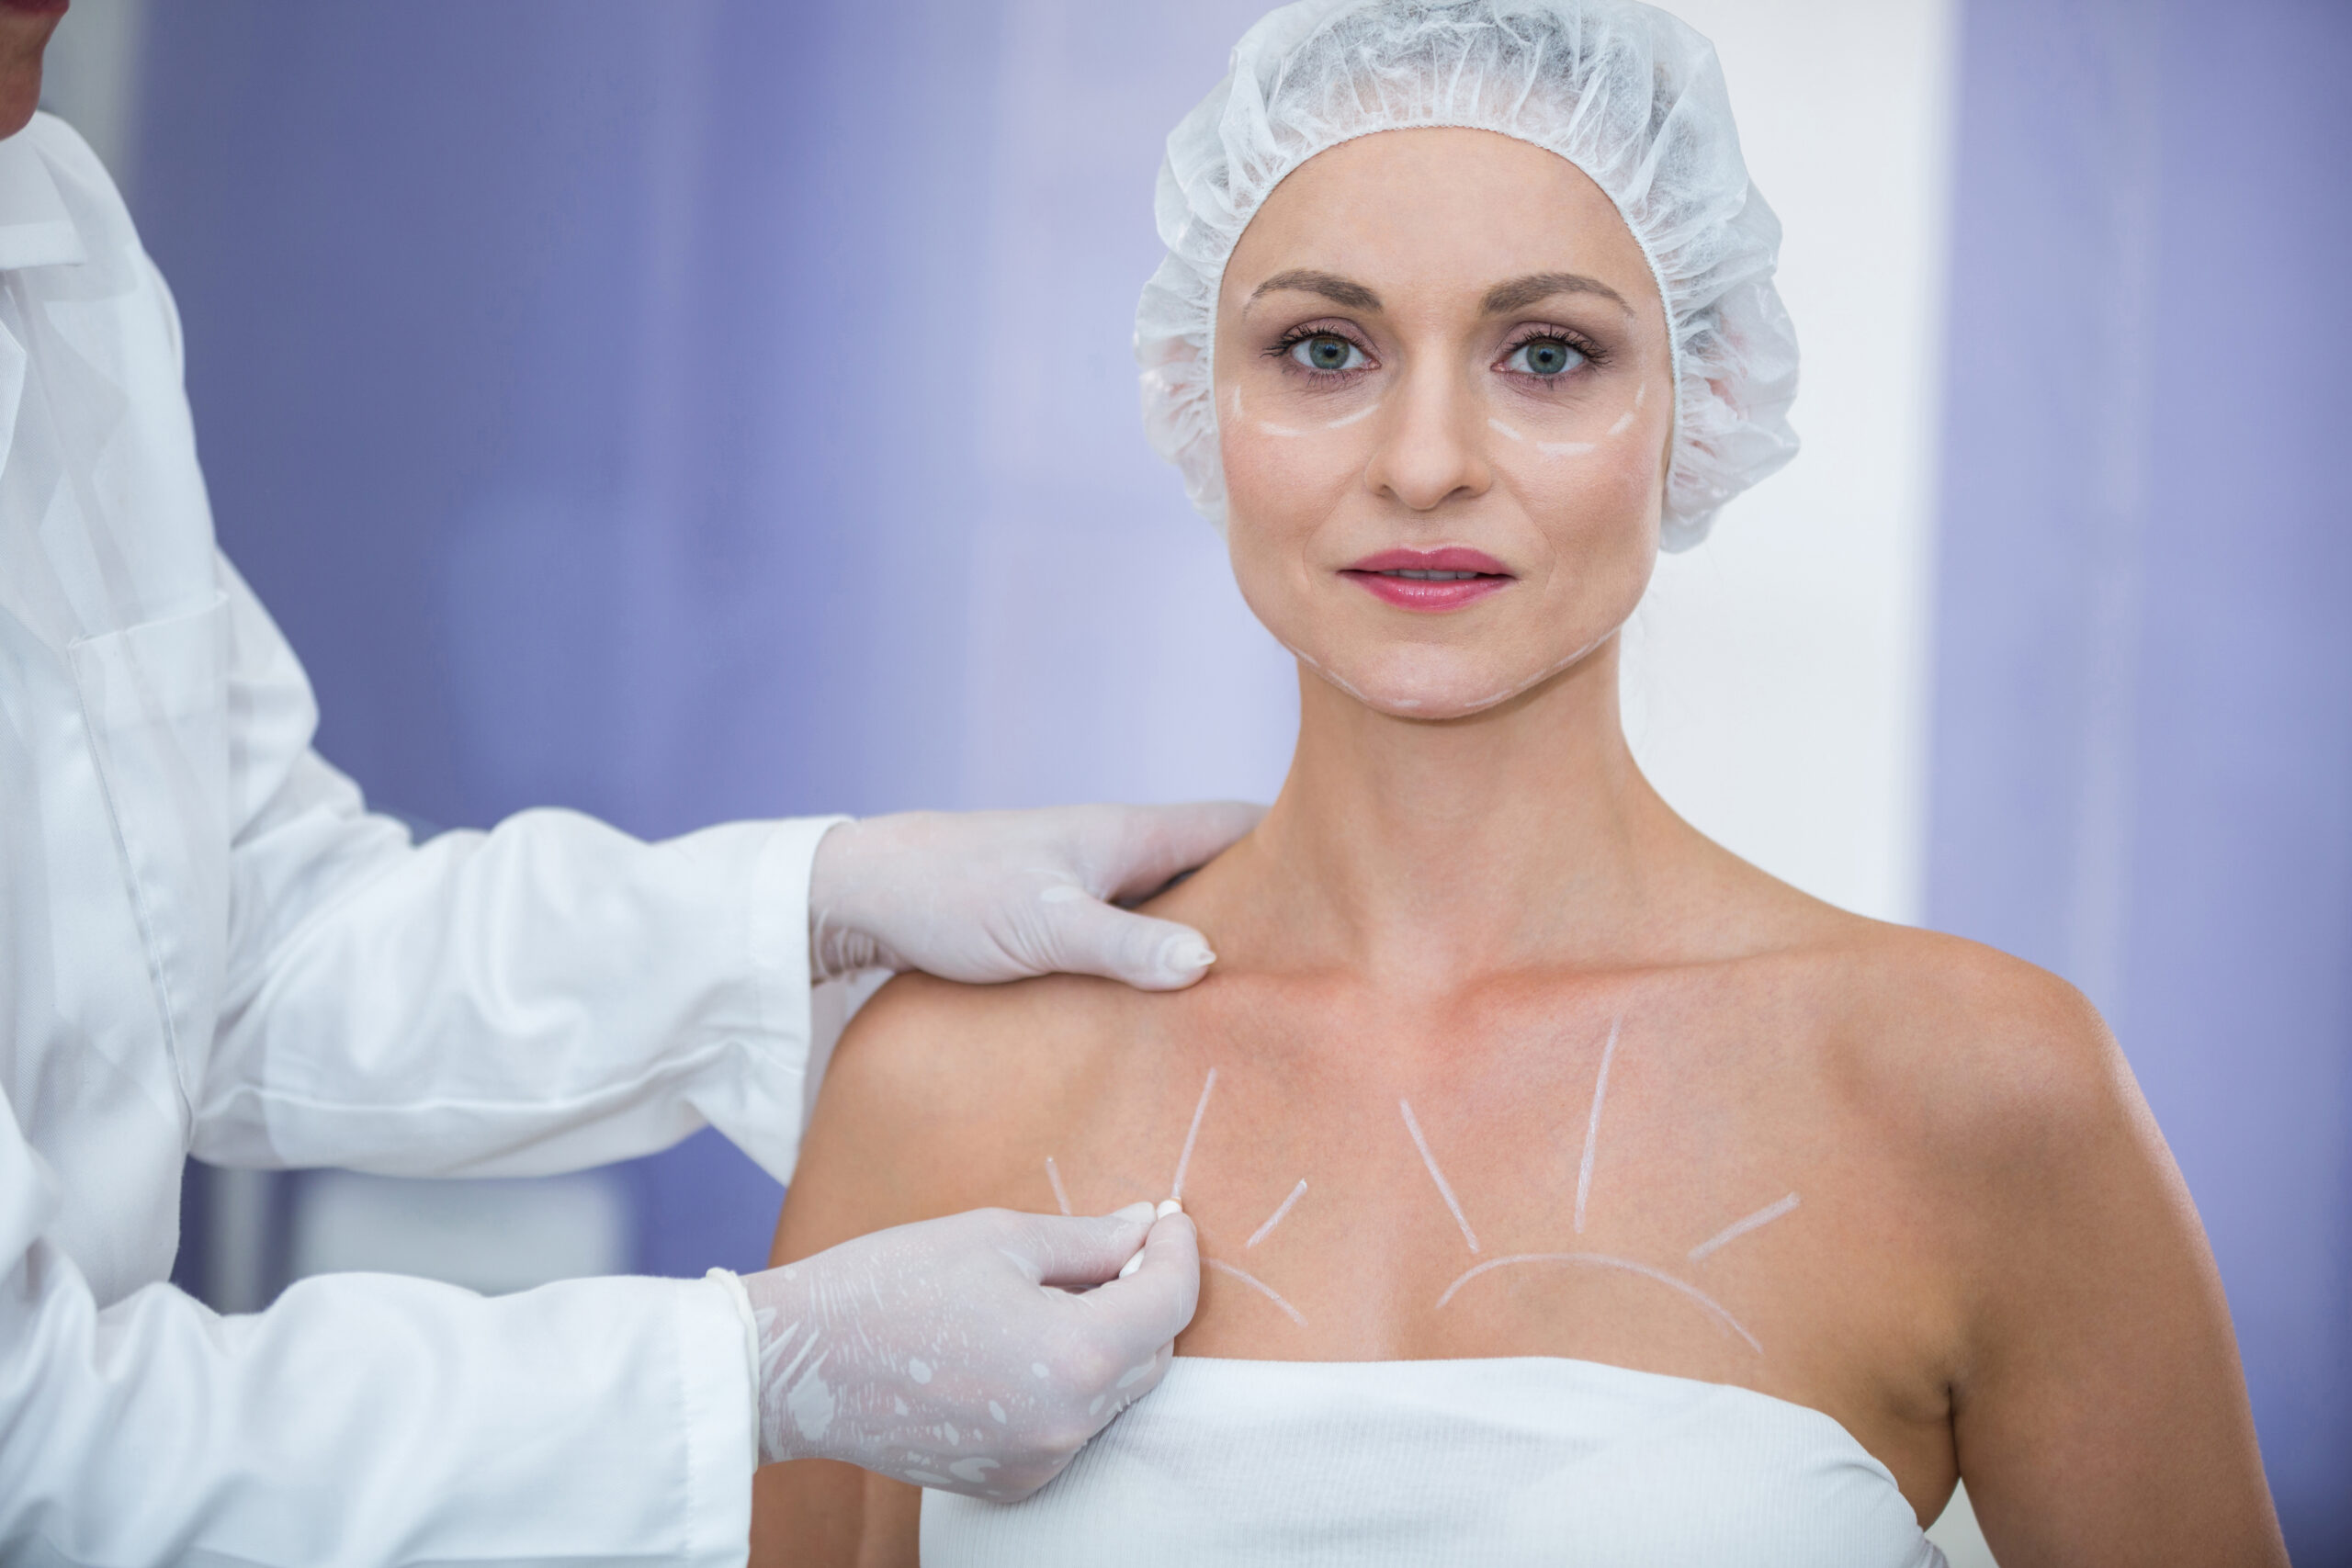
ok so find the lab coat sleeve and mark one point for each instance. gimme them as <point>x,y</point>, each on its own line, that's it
<point>549,995</point>
<point>364,1419</point>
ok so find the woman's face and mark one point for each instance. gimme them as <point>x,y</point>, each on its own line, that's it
<point>1444,395</point>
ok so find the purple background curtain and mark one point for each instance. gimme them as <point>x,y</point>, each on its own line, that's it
<point>595,395</point>
<point>2143,714</point>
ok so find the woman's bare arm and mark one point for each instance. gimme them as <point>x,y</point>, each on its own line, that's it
<point>918,1077</point>
<point>2100,1412</point>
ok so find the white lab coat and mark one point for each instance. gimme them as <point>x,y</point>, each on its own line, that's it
<point>207,944</point>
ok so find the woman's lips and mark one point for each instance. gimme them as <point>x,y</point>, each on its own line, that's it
<point>1430,580</point>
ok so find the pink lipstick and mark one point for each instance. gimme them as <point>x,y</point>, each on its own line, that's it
<point>1430,580</point>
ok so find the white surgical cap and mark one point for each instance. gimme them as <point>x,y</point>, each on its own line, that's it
<point>1627,93</point>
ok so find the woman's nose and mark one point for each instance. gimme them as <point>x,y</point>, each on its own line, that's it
<point>1433,449</point>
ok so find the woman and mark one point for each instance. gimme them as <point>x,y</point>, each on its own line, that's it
<point>1568,1189</point>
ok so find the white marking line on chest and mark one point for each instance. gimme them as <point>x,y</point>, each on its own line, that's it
<point>1255,1283</point>
<point>1592,1126</point>
<point>1603,1260</point>
<point>1738,1228</point>
<point>1192,1134</point>
<point>1055,1177</point>
<point>1429,1159</point>
<point>1276,1217</point>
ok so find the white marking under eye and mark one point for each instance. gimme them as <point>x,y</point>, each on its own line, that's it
<point>1266,427</point>
<point>1499,426</point>
<point>1563,448</point>
<point>1624,423</point>
<point>1351,418</point>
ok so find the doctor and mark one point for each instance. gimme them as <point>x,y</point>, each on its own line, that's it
<point>207,945</point>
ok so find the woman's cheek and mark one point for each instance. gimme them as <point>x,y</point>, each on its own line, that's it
<point>1299,467</point>
<point>1606,496</point>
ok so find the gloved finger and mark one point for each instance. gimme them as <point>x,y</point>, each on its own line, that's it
<point>1083,936</point>
<point>1155,842</point>
<point>1152,1305</point>
<point>1072,1252</point>
<point>1131,1384</point>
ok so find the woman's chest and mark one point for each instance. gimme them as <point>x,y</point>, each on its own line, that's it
<point>1631,1184</point>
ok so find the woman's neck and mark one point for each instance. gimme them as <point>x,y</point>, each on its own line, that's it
<point>1418,850</point>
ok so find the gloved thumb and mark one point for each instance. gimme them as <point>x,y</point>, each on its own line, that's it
<point>1080,1251</point>
<point>1085,936</point>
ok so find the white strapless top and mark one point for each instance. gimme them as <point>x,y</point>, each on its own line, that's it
<point>1530,1459</point>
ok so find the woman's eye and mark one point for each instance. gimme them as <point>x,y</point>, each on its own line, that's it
<point>1545,357</point>
<point>1326,350</point>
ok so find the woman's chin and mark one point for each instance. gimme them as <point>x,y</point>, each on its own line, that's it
<point>1426,694</point>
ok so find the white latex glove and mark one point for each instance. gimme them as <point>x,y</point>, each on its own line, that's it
<point>987,895</point>
<point>944,1353</point>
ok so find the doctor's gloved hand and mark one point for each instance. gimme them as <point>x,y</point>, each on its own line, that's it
<point>947,1353</point>
<point>987,895</point>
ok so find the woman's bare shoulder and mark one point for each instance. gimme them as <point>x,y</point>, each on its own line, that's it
<point>1981,1056</point>
<point>930,1081</point>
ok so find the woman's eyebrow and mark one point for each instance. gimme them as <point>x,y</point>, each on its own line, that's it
<point>1331,286</point>
<point>1521,292</point>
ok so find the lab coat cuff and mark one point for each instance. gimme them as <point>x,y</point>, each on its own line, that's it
<point>728,1280</point>
<point>718,1394</point>
<point>780,959</point>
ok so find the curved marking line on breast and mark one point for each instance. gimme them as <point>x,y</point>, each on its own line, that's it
<point>1444,1188</point>
<point>1276,1217</point>
<point>1603,1260</point>
<point>1255,1283</point>
<point>1176,1189</point>
<point>1738,1228</point>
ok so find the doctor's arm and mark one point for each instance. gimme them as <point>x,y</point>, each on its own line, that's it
<point>553,993</point>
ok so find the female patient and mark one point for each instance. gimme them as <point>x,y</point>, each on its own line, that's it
<point>1571,1191</point>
